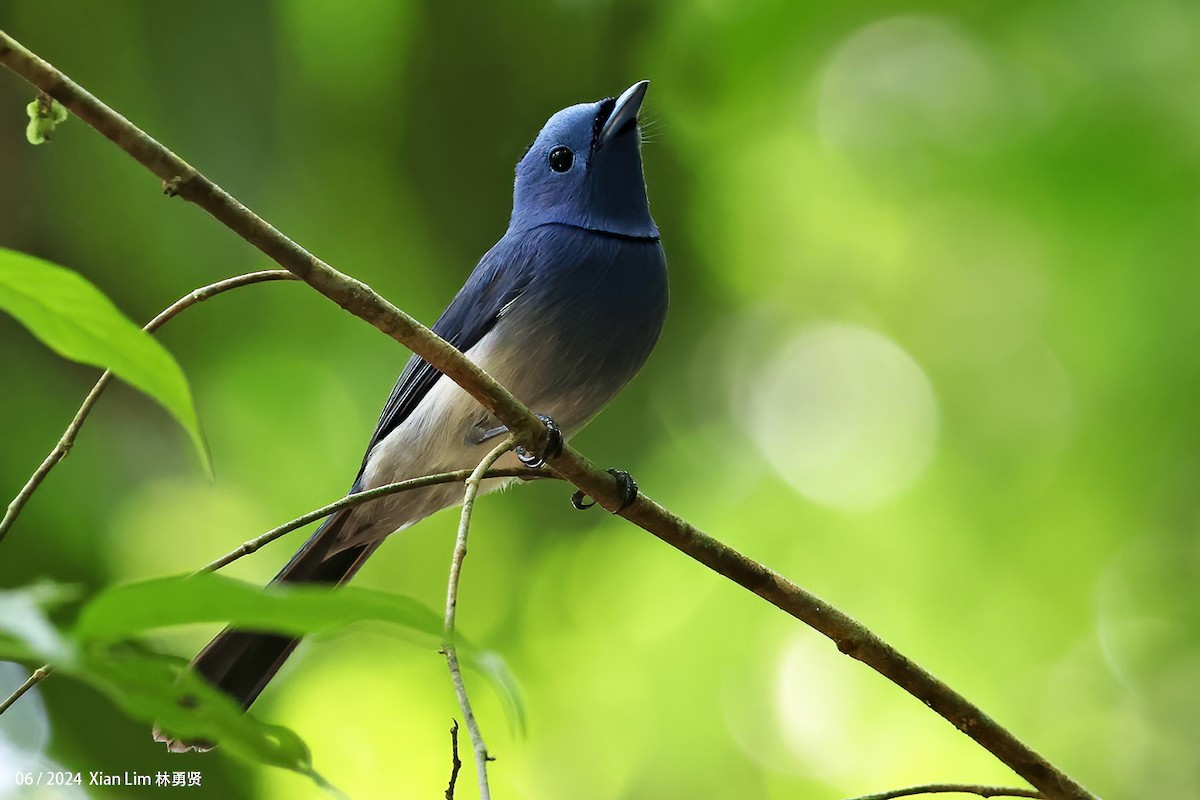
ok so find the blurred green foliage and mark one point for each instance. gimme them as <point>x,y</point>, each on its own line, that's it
<point>931,354</point>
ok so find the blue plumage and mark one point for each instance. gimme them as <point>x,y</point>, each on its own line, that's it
<point>559,290</point>
<point>563,311</point>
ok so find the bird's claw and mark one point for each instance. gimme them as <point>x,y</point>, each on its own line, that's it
<point>627,488</point>
<point>627,491</point>
<point>553,449</point>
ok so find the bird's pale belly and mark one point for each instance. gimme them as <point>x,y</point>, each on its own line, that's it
<point>443,432</point>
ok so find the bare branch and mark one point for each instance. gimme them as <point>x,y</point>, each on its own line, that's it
<point>455,761</point>
<point>361,497</point>
<point>448,647</point>
<point>40,674</point>
<point>359,299</point>
<point>952,788</point>
<point>63,447</point>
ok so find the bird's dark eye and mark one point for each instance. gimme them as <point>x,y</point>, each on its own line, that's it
<point>561,159</point>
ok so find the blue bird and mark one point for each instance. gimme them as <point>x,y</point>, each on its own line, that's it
<point>563,311</point>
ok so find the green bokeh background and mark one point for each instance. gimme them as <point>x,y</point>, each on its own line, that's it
<point>932,353</point>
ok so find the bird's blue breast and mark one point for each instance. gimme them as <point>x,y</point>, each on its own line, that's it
<point>591,311</point>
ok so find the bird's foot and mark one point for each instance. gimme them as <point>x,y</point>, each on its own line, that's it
<point>554,445</point>
<point>627,491</point>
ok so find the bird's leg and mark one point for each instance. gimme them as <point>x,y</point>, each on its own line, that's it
<point>627,490</point>
<point>554,442</point>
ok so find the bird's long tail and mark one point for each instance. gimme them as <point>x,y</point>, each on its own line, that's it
<point>240,662</point>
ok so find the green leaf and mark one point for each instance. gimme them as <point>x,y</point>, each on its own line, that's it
<point>74,319</point>
<point>131,609</point>
<point>101,650</point>
<point>161,690</point>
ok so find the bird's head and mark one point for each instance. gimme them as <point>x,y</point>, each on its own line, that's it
<point>585,169</point>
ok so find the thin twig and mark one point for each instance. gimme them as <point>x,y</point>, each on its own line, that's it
<point>359,299</point>
<point>952,788</point>
<point>37,677</point>
<point>448,648</point>
<point>455,761</point>
<point>246,548</point>
<point>63,447</point>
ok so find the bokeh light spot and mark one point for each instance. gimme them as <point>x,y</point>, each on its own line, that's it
<point>844,415</point>
<point>914,80</point>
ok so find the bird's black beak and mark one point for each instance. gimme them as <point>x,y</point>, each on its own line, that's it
<point>624,113</point>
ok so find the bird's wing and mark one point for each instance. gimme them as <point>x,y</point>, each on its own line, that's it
<point>500,277</point>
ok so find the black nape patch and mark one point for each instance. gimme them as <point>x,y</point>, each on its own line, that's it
<point>606,109</point>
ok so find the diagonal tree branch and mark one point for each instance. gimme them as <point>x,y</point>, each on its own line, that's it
<point>359,299</point>
<point>449,649</point>
<point>63,447</point>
